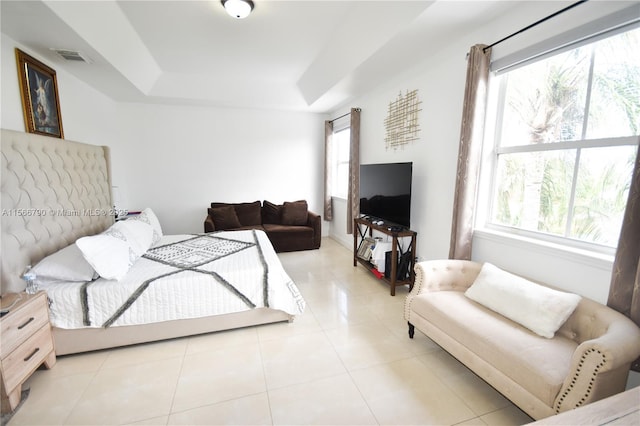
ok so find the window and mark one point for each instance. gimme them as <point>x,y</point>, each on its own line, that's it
<point>566,139</point>
<point>340,142</point>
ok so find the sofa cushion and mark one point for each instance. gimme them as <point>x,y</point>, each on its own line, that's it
<point>289,238</point>
<point>271,213</point>
<point>224,217</point>
<point>248,214</point>
<point>249,227</point>
<point>519,354</point>
<point>541,309</point>
<point>294,213</point>
<point>275,228</point>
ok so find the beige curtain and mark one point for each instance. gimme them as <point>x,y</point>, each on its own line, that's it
<point>328,170</point>
<point>469,151</point>
<point>353,196</point>
<point>624,293</point>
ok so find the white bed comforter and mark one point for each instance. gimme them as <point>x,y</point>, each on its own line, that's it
<point>173,282</point>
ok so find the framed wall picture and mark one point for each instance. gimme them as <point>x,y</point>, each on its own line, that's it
<point>39,92</point>
<point>366,246</point>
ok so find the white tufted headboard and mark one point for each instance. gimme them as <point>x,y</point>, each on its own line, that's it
<point>54,191</point>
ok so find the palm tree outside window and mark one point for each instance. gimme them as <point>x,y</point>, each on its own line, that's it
<point>566,137</point>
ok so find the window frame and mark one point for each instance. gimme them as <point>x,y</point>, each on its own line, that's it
<point>342,195</point>
<point>492,151</point>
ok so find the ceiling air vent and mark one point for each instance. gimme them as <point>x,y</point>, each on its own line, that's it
<point>72,55</point>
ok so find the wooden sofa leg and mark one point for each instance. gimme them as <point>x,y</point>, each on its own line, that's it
<point>412,330</point>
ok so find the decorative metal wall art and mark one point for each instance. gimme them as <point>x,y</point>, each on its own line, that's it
<point>402,123</point>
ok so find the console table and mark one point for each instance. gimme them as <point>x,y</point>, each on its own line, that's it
<point>363,227</point>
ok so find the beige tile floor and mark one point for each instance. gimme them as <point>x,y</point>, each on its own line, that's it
<point>346,361</point>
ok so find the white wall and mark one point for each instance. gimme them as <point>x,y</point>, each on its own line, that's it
<point>178,160</point>
<point>440,88</point>
<point>440,85</point>
<point>87,115</point>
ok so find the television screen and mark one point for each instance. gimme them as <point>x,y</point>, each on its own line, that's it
<point>385,192</point>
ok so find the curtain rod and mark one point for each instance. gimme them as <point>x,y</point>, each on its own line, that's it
<point>571,6</point>
<point>344,115</point>
<point>338,118</point>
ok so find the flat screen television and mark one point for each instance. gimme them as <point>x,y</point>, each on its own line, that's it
<point>385,192</point>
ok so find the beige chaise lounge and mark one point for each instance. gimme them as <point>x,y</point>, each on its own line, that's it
<point>587,359</point>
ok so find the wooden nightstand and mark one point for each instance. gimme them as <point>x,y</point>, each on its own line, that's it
<point>27,342</point>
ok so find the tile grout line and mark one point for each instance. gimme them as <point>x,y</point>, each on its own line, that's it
<point>175,389</point>
<point>86,389</point>
<point>264,377</point>
<point>351,378</point>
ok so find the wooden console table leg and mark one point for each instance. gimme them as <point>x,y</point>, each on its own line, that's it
<point>394,264</point>
<point>356,231</point>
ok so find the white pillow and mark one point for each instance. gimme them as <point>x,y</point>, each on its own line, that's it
<point>113,252</point>
<point>147,216</point>
<point>138,234</point>
<point>540,309</point>
<point>109,254</point>
<point>66,264</point>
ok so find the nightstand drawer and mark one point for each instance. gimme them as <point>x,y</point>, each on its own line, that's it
<point>22,322</point>
<point>26,358</point>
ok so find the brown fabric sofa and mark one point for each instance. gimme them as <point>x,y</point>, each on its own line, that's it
<point>290,226</point>
<point>588,358</point>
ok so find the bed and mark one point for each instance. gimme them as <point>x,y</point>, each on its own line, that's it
<point>56,203</point>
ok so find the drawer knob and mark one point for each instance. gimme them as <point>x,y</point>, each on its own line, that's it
<point>26,323</point>
<point>35,351</point>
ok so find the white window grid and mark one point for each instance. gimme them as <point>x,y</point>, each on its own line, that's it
<point>578,145</point>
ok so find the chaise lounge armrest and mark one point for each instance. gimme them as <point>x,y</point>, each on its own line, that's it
<point>445,275</point>
<point>441,275</point>
<point>608,342</point>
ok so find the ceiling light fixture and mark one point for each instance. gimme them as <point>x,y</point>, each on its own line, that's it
<point>239,9</point>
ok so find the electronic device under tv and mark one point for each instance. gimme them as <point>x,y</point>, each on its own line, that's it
<point>385,192</point>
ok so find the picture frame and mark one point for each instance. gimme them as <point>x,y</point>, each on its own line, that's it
<point>366,246</point>
<point>39,93</point>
